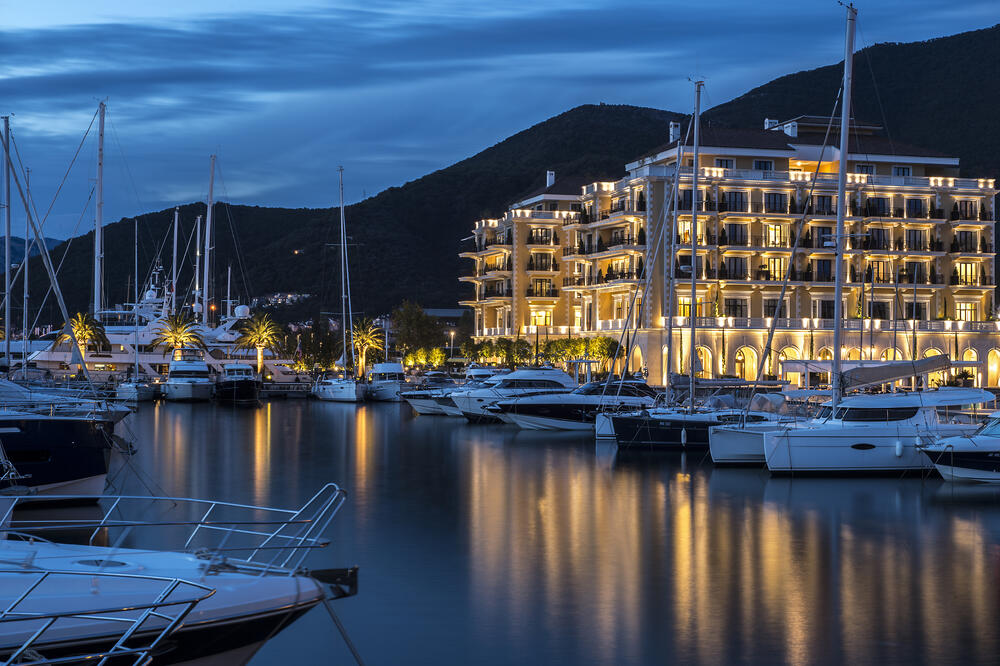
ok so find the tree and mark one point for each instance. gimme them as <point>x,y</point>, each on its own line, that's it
<point>603,349</point>
<point>367,337</point>
<point>260,333</point>
<point>415,328</point>
<point>471,350</point>
<point>437,357</point>
<point>178,331</point>
<point>86,329</point>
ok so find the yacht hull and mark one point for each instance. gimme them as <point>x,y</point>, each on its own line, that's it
<point>340,392</point>
<point>603,426</point>
<point>177,391</point>
<point>969,466</point>
<point>387,391</point>
<point>535,422</point>
<point>426,406</point>
<point>661,432</point>
<point>856,450</point>
<point>54,455</point>
<point>130,392</point>
<point>738,445</point>
<point>238,391</point>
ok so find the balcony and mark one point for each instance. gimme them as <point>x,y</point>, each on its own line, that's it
<point>714,173</point>
<point>541,292</point>
<point>494,292</point>
<point>543,240</point>
<point>806,323</point>
<point>982,247</point>
<point>564,216</point>
<point>544,266</point>
<point>495,331</point>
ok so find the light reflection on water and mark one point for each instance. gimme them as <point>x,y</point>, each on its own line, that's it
<point>488,545</point>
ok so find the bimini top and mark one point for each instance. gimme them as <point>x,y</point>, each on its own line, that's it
<point>387,368</point>
<point>944,396</point>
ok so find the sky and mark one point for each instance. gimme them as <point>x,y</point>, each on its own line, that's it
<point>284,91</point>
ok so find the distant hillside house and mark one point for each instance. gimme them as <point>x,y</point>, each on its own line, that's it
<point>588,258</point>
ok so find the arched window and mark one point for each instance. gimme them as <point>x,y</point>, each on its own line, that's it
<point>705,361</point>
<point>891,354</point>
<point>934,378</point>
<point>993,368</point>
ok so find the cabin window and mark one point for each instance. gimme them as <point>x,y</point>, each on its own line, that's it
<point>763,165</point>
<point>869,414</point>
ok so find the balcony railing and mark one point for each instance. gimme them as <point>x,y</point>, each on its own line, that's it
<point>541,292</point>
<point>806,323</point>
<point>542,266</point>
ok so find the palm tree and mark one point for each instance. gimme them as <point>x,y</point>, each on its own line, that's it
<point>367,337</point>
<point>86,329</point>
<point>259,333</point>
<point>178,331</point>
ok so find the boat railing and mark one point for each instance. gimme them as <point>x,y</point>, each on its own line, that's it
<point>137,629</point>
<point>261,539</point>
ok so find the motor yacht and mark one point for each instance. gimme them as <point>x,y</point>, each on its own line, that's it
<point>974,457</point>
<point>387,382</point>
<point>434,384</point>
<point>473,403</point>
<point>188,378</point>
<point>217,599</point>
<point>878,433</point>
<point>339,388</point>
<point>578,409</point>
<point>238,384</point>
<point>135,391</point>
<point>742,443</point>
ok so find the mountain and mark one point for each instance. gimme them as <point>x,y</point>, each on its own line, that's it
<point>404,241</point>
<point>940,94</point>
<point>17,248</point>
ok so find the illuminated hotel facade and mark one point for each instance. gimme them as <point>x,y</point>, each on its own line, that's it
<point>919,280</point>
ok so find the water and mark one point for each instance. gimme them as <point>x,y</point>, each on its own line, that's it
<point>488,545</point>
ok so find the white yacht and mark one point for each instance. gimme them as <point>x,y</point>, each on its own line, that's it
<point>473,403</point>
<point>340,387</point>
<point>135,391</point>
<point>578,409</point>
<point>974,457</point>
<point>742,443</point>
<point>386,382</point>
<point>873,433</point>
<point>422,397</point>
<point>188,377</point>
<point>215,600</point>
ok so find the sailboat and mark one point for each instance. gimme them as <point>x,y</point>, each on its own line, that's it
<point>342,387</point>
<point>135,390</point>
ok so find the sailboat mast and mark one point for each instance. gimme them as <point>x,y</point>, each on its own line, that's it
<point>24,295</point>
<point>99,214</point>
<point>135,319</point>
<point>845,119</point>
<point>668,260</point>
<point>6,215</point>
<point>694,240</point>
<point>173,269</point>
<point>208,242</point>
<point>229,300</point>
<point>197,258</point>
<point>343,270</point>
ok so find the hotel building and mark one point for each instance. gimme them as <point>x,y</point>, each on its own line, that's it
<point>919,277</point>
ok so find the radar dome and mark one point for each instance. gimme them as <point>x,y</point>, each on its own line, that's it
<point>196,307</point>
<point>151,294</point>
<point>242,311</point>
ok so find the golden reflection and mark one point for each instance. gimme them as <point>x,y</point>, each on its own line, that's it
<point>262,451</point>
<point>722,565</point>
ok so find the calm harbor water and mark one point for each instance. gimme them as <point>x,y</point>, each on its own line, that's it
<point>489,545</point>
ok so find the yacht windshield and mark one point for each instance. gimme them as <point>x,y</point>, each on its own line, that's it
<point>871,414</point>
<point>991,427</point>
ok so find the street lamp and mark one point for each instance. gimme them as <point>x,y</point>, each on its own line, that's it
<point>451,333</point>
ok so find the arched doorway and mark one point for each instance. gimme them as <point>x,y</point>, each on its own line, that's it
<point>746,363</point>
<point>934,378</point>
<point>788,354</point>
<point>891,354</point>
<point>635,362</point>
<point>993,368</point>
<point>970,355</point>
<point>705,361</point>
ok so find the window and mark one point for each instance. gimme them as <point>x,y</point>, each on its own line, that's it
<point>968,273</point>
<point>736,234</point>
<point>775,202</point>
<point>775,268</point>
<point>900,171</point>
<point>736,307</point>
<point>965,241</point>
<point>774,236</point>
<point>823,270</point>
<point>916,310</point>
<point>916,239</point>
<point>734,201</point>
<point>686,200</point>
<point>540,237</point>
<point>771,308</point>
<point>763,165</point>
<point>914,208</point>
<point>823,204</point>
<point>915,273</point>
<point>877,207</point>
<point>684,307</point>
<point>541,317</point>
<point>879,271</point>
<point>877,414</point>
<point>878,310</point>
<point>864,168</point>
<point>967,210</point>
<point>736,268</point>
<point>823,236</point>
<point>723,163</point>
<point>965,311</point>
<point>878,239</point>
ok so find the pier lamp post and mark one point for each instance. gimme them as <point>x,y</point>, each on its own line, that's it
<point>451,345</point>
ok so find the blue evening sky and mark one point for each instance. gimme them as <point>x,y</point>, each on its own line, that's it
<point>285,90</point>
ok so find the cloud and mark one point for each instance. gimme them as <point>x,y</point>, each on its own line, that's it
<point>390,89</point>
